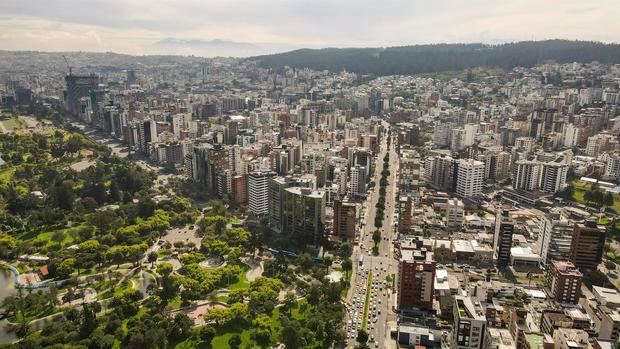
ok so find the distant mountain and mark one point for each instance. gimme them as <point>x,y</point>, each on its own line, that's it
<point>211,48</point>
<point>442,57</point>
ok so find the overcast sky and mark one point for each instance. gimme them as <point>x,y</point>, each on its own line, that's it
<point>132,26</point>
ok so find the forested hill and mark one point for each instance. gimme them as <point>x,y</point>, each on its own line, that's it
<point>443,57</point>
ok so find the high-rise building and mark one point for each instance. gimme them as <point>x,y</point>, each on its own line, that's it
<point>600,143</point>
<point>416,279</point>
<point>553,176</point>
<point>441,134</point>
<point>502,240</point>
<point>587,245</point>
<point>497,165</point>
<point>440,172</point>
<point>258,190</point>
<point>527,174</point>
<point>131,77</point>
<point>470,177</point>
<point>409,176</point>
<point>565,282</point>
<point>345,218</point>
<point>239,189</point>
<point>303,214</point>
<point>78,86</point>
<point>612,168</point>
<point>277,185</point>
<point>556,237</point>
<point>358,181</point>
<point>545,176</point>
<point>469,324</point>
<point>224,183</point>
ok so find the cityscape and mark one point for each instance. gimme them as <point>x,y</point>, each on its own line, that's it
<point>453,196</point>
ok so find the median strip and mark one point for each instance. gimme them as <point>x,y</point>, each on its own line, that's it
<point>368,287</point>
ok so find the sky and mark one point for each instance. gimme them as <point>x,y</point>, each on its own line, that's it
<point>135,26</point>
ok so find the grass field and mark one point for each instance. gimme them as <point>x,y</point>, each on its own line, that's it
<point>242,283</point>
<point>224,334</point>
<point>580,188</point>
<point>12,124</point>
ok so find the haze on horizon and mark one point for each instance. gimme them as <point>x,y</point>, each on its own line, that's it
<point>261,26</point>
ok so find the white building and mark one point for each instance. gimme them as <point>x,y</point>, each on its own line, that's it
<point>469,324</point>
<point>454,213</point>
<point>258,192</point>
<point>470,176</point>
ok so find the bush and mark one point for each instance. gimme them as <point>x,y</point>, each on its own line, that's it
<point>610,265</point>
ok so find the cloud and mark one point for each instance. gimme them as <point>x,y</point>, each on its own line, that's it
<point>131,26</point>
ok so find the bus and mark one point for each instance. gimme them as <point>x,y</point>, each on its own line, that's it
<point>361,260</point>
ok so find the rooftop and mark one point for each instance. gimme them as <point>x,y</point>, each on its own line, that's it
<point>536,340</point>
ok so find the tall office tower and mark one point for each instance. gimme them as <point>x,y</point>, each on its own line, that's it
<point>416,280</point>
<point>565,283</point>
<point>556,238</point>
<point>147,133</point>
<point>345,219</point>
<point>232,127</point>
<point>441,135</point>
<point>277,185</point>
<point>258,190</point>
<point>587,246</point>
<point>224,183</point>
<point>239,189</point>
<point>469,324</point>
<point>78,86</point>
<point>470,176</point>
<point>217,162</point>
<point>502,240</point>
<point>553,176</point>
<point>131,77</point>
<point>358,182</point>
<point>303,214</point>
<point>204,69</point>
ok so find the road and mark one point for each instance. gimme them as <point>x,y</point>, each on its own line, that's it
<point>122,150</point>
<point>381,300</point>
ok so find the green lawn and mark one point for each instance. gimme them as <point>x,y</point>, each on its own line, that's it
<point>224,334</point>
<point>46,238</point>
<point>12,124</point>
<point>580,188</point>
<point>241,283</point>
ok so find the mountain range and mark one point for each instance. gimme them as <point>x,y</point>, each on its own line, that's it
<point>442,57</point>
<point>212,48</point>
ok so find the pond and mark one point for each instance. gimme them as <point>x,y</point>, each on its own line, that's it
<point>7,288</point>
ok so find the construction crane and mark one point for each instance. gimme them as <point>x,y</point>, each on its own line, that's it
<point>68,65</point>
